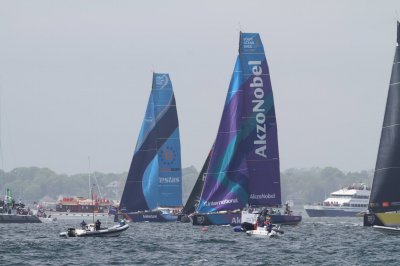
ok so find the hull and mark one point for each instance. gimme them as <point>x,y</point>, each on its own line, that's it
<point>326,211</point>
<point>77,215</point>
<point>14,218</point>
<point>183,218</point>
<point>262,232</point>
<point>235,219</point>
<point>382,219</point>
<point>106,232</point>
<point>389,230</point>
<point>158,217</point>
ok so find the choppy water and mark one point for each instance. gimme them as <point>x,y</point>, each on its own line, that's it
<point>315,241</point>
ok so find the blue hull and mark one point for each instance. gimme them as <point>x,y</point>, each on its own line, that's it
<point>235,219</point>
<point>158,217</point>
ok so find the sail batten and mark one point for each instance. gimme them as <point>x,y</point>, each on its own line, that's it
<point>155,177</point>
<point>241,169</point>
<point>385,192</point>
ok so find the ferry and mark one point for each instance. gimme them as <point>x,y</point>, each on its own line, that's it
<point>347,202</point>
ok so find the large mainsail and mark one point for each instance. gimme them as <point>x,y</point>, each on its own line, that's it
<point>155,176</point>
<point>244,165</point>
<point>385,193</point>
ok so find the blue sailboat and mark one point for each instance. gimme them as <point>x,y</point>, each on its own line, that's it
<point>244,164</point>
<point>153,188</point>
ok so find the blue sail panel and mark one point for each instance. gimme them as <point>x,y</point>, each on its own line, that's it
<point>170,175</point>
<point>160,126</point>
<point>225,186</point>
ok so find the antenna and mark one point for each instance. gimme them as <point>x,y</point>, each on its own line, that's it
<point>239,27</point>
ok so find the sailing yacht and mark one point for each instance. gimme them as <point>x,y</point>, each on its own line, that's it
<point>244,164</point>
<point>384,203</point>
<point>153,188</point>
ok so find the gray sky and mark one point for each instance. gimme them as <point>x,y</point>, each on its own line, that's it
<point>75,77</point>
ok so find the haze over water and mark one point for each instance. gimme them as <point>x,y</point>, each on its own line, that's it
<point>75,77</point>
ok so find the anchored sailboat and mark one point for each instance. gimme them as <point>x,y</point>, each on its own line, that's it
<point>153,189</point>
<point>244,164</point>
<point>384,203</point>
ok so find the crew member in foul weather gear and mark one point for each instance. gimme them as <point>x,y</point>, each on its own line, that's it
<point>97,224</point>
<point>83,224</point>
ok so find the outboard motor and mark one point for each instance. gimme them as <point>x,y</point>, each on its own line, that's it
<point>71,232</point>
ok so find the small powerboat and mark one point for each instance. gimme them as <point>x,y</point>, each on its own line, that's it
<point>263,232</point>
<point>48,219</point>
<point>90,230</point>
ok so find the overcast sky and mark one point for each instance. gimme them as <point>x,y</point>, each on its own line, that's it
<point>75,77</point>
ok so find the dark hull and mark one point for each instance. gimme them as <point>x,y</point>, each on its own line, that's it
<point>14,218</point>
<point>158,217</point>
<point>390,219</point>
<point>183,218</point>
<point>235,219</point>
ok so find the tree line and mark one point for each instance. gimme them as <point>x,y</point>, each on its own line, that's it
<point>31,184</point>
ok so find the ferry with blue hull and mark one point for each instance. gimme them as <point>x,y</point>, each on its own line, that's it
<point>244,163</point>
<point>350,201</point>
<point>153,188</point>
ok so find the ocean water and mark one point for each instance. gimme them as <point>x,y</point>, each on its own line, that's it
<point>316,241</point>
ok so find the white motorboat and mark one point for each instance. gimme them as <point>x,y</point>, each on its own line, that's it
<point>90,230</point>
<point>263,232</point>
<point>387,229</point>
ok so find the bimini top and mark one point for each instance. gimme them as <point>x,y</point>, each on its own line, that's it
<point>385,193</point>
<point>155,175</point>
<point>244,164</point>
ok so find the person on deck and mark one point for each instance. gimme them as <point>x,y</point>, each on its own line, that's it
<point>83,224</point>
<point>97,224</point>
<point>269,226</point>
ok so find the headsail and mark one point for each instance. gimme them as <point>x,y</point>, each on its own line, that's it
<point>385,192</point>
<point>194,197</point>
<point>155,176</point>
<point>244,165</point>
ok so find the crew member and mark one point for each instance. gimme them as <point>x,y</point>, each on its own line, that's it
<point>97,224</point>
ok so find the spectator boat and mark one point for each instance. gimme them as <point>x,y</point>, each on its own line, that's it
<point>346,202</point>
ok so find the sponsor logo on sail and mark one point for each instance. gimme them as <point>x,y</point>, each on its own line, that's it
<point>258,108</point>
<point>248,42</point>
<point>169,180</point>
<point>221,202</point>
<point>262,196</point>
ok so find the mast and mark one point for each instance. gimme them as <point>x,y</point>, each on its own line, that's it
<point>385,192</point>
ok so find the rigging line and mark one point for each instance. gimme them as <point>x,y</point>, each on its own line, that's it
<point>97,182</point>
<point>386,168</point>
